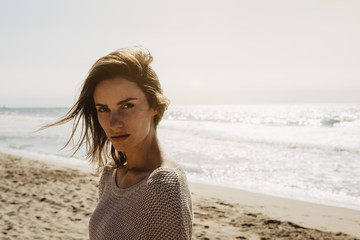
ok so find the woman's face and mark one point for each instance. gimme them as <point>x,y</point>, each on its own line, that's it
<point>123,113</point>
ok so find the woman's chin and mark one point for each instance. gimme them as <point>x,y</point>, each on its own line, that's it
<point>119,149</point>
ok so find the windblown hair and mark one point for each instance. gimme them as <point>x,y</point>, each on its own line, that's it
<point>133,64</point>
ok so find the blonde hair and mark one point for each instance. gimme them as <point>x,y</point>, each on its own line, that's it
<point>132,64</point>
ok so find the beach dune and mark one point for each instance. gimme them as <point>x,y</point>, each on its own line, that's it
<point>46,200</point>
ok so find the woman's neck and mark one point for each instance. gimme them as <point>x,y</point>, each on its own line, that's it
<point>146,157</point>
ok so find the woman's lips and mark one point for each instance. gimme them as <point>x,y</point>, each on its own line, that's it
<point>120,138</point>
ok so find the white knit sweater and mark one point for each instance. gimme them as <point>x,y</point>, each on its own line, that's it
<point>158,207</point>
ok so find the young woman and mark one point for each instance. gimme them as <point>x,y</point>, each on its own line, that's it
<point>143,193</point>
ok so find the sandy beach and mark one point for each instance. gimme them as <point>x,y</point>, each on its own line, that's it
<point>42,200</point>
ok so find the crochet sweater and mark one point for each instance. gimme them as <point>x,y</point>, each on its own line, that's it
<point>157,207</point>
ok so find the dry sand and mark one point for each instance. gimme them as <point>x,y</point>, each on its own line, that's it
<point>49,201</point>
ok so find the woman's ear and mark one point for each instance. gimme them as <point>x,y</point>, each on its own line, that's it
<point>154,112</point>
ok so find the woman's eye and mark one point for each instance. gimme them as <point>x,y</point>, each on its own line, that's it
<point>102,109</point>
<point>128,105</point>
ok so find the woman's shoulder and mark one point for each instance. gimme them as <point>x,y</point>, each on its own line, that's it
<point>106,173</point>
<point>167,178</point>
<point>169,170</point>
<point>105,178</point>
<point>108,169</point>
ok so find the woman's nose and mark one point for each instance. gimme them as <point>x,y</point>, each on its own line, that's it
<point>116,120</point>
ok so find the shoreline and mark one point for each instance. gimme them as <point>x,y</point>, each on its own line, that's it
<point>316,201</point>
<point>36,196</point>
<point>83,165</point>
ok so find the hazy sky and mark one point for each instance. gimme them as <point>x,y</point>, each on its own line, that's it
<point>205,52</point>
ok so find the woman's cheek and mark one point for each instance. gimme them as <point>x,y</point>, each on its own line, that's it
<point>102,121</point>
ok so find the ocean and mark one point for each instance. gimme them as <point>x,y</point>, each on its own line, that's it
<point>304,152</point>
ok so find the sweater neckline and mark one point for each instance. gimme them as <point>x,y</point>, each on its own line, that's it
<point>125,191</point>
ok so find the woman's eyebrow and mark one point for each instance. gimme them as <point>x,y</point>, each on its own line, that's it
<point>119,103</point>
<point>126,100</point>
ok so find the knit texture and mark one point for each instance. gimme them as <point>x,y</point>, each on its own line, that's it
<point>158,207</point>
